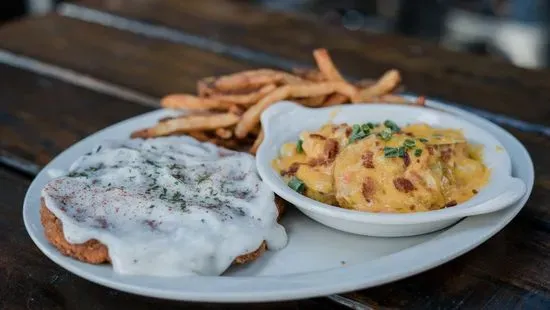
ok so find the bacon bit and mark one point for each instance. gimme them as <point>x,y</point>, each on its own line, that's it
<point>291,171</point>
<point>348,131</point>
<point>329,154</point>
<point>449,204</point>
<point>406,159</point>
<point>403,185</point>
<point>317,136</point>
<point>368,160</point>
<point>368,188</point>
<point>446,153</point>
<point>331,149</point>
<point>317,162</point>
<point>409,134</point>
<point>430,150</point>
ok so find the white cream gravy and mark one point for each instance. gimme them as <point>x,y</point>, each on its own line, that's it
<point>166,207</point>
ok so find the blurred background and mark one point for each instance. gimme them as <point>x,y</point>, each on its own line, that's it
<point>514,30</point>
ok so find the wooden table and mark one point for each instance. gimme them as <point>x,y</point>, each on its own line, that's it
<point>66,75</point>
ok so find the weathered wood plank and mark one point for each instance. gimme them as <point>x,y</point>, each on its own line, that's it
<point>40,116</point>
<point>151,66</point>
<point>513,266</point>
<point>427,69</point>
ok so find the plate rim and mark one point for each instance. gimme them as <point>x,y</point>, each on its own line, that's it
<point>286,289</point>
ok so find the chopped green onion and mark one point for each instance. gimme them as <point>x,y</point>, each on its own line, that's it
<point>357,133</point>
<point>424,140</point>
<point>417,152</point>
<point>391,125</point>
<point>371,125</point>
<point>366,129</point>
<point>391,152</point>
<point>297,185</point>
<point>401,151</point>
<point>408,143</point>
<point>299,148</point>
<point>385,134</point>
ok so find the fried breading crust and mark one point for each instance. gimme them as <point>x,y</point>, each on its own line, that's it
<point>95,252</point>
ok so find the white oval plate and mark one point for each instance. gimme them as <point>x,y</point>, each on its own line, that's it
<point>318,260</point>
<point>284,121</point>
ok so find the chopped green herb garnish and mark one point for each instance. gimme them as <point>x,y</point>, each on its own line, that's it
<point>401,151</point>
<point>357,133</point>
<point>370,125</point>
<point>77,174</point>
<point>299,148</point>
<point>417,152</point>
<point>409,143</point>
<point>366,129</point>
<point>385,134</point>
<point>177,196</point>
<point>391,125</point>
<point>424,140</point>
<point>297,185</point>
<point>203,178</point>
<point>391,152</point>
<point>163,195</point>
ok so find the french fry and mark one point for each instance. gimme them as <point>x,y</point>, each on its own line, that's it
<point>237,109</point>
<point>188,124</point>
<point>364,83</point>
<point>199,135</point>
<point>254,79</point>
<point>326,66</point>
<point>257,143</point>
<point>245,99</point>
<point>227,109</point>
<point>335,99</point>
<point>316,101</point>
<point>190,102</point>
<point>224,133</point>
<point>312,75</point>
<point>252,116</point>
<point>384,85</point>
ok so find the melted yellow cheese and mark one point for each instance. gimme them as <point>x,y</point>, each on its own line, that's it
<point>440,170</point>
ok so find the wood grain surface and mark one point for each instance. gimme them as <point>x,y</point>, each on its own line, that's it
<point>427,69</point>
<point>152,66</point>
<point>40,116</point>
<point>44,108</point>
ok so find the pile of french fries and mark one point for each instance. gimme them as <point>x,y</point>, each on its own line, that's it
<point>227,109</point>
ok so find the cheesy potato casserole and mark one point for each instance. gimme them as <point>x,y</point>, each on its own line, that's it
<point>383,168</point>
